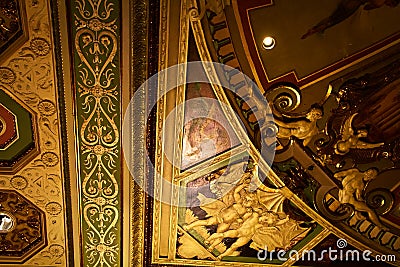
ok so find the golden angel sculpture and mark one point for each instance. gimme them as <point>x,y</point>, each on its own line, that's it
<point>303,129</point>
<point>351,140</point>
<point>354,183</point>
<point>249,216</point>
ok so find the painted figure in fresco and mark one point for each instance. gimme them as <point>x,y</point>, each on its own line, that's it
<point>354,182</point>
<point>351,140</point>
<point>345,9</point>
<point>303,129</point>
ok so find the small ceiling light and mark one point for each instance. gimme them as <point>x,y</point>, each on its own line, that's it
<point>268,43</point>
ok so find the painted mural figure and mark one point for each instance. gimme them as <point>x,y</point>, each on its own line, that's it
<point>345,9</point>
<point>354,182</point>
<point>253,225</point>
<point>303,129</point>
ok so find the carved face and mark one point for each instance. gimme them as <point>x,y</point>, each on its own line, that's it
<point>370,174</point>
<point>314,114</point>
<point>269,218</point>
<point>250,200</point>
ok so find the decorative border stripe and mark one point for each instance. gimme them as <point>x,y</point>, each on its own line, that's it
<point>96,46</point>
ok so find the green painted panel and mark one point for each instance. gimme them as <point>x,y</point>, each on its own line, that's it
<point>96,37</point>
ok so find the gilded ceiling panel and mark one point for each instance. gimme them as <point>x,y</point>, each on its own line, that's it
<point>33,196</point>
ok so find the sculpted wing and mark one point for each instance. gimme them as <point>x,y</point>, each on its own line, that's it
<point>210,205</point>
<point>281,236</point>
<point>347,129</point>
<point>271,199</point>
<point>364,145</point>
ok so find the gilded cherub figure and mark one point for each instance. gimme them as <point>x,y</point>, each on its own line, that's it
<point>303,129</point>
<point>354,182</point>
<point>351,140</point>
<point>223,213</point>
<point>254,223</point>
<point>255,216</point>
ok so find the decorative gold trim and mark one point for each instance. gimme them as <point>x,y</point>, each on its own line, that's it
<point>137,12</point>
<point>245,45</point>
<point>36,150</point>
<point>211,164</point>
<point>5,126</point>
<point>15,46</point>
<point>161,110</point>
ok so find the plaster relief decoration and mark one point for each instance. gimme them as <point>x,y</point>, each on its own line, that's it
<point>303,129</point>
<point>353,184</point>
<point>32,184</point>
<point>351,139</point>
<point>233,219</point>
<point>96,34</point>
<point>348,170</point>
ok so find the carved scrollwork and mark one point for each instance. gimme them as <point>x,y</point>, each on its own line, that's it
<point>195,14</point>
<point>325,203</point>
<point>215,6</point>
<point>360,129</point>
<point>380,199</point>
<point>285,99</point>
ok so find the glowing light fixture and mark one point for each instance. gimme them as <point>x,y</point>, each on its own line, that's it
<point>268,43</point>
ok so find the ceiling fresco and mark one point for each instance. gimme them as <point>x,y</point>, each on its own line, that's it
<point>327,37</point>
